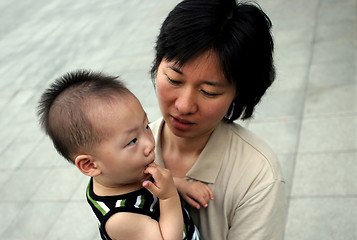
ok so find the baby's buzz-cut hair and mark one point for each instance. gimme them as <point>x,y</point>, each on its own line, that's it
<point>64,106</point>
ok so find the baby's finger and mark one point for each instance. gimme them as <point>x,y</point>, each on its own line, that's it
<point>150,186</point>
<point>192,202</point>
<point>203,201</point>
<point>210,192</point>
<point>153,164</point>
<point>150,166</point>
<point>154,170</point>
<point>201,196</point>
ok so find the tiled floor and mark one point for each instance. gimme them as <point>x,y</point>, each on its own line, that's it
<point>309,116</point>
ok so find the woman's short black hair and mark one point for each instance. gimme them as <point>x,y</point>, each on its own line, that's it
<point>239,33</point>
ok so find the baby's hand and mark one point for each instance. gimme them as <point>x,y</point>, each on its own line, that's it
<point>163,186</point>
<point>194,193</point>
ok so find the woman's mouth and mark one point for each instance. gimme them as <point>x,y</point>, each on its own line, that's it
<point>181,124</point>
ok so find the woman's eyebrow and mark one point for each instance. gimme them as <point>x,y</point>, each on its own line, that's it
<point>215,84</point>
<point>211,83</point>
<point>176,69</point>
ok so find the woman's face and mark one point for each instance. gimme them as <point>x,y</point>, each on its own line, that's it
<point>194,98</point>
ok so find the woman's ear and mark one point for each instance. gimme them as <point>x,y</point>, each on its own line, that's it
<point>86,164</point>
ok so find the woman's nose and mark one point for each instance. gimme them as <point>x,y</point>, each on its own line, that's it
<point>186,102</point>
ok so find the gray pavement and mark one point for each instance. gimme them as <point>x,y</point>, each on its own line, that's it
<point>309,116</point>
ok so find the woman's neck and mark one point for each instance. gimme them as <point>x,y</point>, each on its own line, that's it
<point>184,145</point>
<point>180,154</point>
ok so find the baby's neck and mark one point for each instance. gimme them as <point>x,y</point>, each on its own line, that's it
<point>101,189</point>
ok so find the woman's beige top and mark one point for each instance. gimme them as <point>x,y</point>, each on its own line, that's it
<point>247,182</point>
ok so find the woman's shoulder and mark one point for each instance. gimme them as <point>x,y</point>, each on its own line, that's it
<point>246,135</point>
<point>238,132</point>
<point>251,147</point>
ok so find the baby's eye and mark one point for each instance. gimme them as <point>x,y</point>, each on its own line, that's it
<point>147,127</point>
<point>132,142</point>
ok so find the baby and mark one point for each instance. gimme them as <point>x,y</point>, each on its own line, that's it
<point>97,124</point>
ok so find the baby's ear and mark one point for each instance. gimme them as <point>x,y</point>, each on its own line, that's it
<point>86,164</point>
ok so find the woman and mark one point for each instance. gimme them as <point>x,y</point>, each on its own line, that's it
<point>213,64</point>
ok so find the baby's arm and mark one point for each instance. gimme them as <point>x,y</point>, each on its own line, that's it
<point>171,220</point>
<point>131,226</point>
<point>194,193</point>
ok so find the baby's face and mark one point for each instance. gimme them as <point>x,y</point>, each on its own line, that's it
<point>129,147</point>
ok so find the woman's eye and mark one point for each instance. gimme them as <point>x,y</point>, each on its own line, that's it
<point>174,82</point>
<point>132,142</point>
<point>210,94</point>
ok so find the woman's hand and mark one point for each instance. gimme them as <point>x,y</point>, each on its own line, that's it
<point>196,194</point>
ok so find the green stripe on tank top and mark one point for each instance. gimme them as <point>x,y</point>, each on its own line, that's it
<point>122,203</point>
<point>95,203</point>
